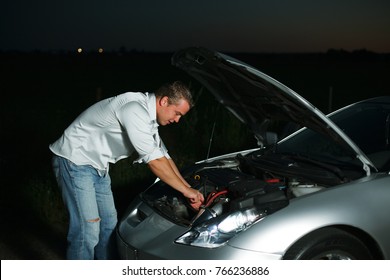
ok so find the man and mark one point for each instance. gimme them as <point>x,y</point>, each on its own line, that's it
<point>110,130</point>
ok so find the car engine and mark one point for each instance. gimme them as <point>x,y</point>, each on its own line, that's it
<point>227,185</point>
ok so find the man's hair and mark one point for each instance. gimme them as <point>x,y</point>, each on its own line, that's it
<point>175,91</point>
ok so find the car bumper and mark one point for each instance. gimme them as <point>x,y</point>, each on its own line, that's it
<point>153,238</point>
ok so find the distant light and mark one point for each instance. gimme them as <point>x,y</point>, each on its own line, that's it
<point>79,50</point>
<point>100,50</point>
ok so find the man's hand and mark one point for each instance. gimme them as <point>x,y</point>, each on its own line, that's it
<point>195,197</point>
<point>167,171</point>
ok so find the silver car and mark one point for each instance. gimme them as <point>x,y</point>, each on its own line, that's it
<point>322,192</point>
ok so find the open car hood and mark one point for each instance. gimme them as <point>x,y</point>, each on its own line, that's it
<point>257,99</point>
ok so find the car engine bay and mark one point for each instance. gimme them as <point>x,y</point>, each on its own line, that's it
<point>266,183</point>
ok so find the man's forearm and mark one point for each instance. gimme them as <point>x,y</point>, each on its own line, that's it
<point>167,171</point>
<point>163,169</point>
<point>176,170</point>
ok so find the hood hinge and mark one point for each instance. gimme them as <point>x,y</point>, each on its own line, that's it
<point>366,167</point>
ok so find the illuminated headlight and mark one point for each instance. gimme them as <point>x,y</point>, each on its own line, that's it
<point>217,232</point>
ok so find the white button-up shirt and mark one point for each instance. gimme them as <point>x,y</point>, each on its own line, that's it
<point>112,129</point>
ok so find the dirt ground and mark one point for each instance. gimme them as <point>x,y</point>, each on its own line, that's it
<point>24,238</point>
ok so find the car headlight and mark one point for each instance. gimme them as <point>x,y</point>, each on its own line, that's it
<point>216,232</point>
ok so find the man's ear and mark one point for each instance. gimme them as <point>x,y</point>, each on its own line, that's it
<point>164,101</point>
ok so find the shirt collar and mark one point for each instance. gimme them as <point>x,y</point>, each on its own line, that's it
<point>151,100</point>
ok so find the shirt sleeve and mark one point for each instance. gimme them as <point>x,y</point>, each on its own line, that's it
<point>142,132</point>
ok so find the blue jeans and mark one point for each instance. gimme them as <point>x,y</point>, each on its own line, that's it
<point>90,204</point>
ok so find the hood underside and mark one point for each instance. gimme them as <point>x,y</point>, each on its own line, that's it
<point>255,98</point>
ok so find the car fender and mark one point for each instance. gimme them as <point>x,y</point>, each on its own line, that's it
<point>342,205</point>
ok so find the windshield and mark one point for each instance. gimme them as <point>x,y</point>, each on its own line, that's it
<point>316,146</point>
<point>366,123</point>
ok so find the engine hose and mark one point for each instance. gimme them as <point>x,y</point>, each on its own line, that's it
<point>213,196</point>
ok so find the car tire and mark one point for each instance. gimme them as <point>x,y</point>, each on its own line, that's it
<point>328,244</point>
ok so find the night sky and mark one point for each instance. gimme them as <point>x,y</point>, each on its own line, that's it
<point>224,25</point>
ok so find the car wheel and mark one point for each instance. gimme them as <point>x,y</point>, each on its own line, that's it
<point>328,244</point>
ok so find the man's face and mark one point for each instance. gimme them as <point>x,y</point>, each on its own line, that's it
<point>170,113</point>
